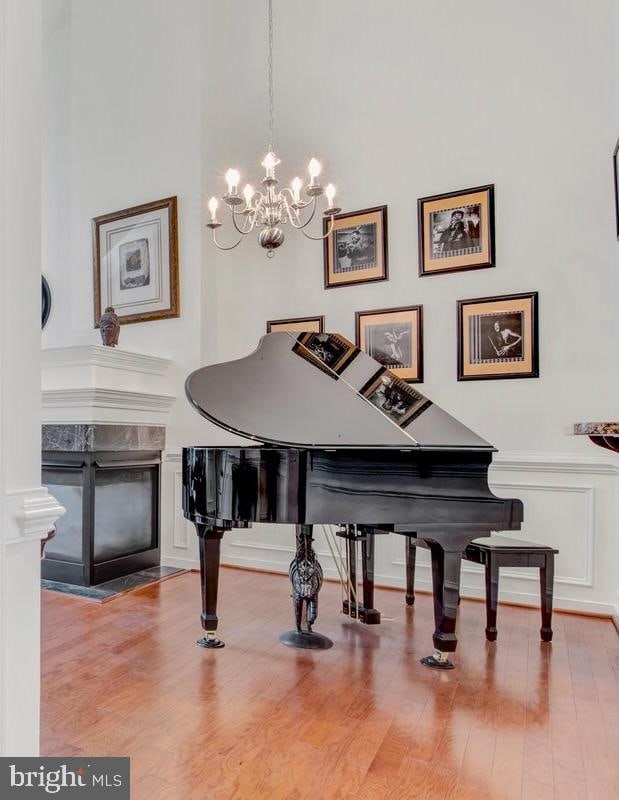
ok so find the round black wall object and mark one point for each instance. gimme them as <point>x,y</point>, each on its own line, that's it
<point>46,301</point>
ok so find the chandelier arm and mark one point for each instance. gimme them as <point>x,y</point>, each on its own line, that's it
<point>319,238</point>
<point>244,230</point>
<point>288,191</point>
<point>309,219</point>
<point>223,247</point>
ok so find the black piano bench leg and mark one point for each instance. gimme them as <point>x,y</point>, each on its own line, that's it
<point>411,557</point>
<point>306,578</point>
<point>210,544</point>
<point>492,596</point>
<point>546,579</point>
<point>446,584</point>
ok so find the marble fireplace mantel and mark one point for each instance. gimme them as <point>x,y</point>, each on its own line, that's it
<point>104,385</point>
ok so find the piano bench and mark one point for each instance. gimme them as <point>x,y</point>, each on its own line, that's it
<point>494,552</point>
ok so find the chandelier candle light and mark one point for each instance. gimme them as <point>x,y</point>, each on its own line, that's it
<point>271,208</point>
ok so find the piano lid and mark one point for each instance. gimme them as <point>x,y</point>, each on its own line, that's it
<point>319,390</point>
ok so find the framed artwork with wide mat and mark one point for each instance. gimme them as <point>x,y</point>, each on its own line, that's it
<point>136,262</point>
<point>394,338</point>
<point>498,337</point>
<point>356,249</point>
<point>456,231</point>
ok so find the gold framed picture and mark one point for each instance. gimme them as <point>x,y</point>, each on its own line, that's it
<point>356,249</point>
<point>136,262</point>
<point>296,325</point>
<point>394,338</point>
<point>498,337</point>
<point>456,231</point>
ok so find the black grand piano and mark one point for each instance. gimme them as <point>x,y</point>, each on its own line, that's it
<point>339,440</point>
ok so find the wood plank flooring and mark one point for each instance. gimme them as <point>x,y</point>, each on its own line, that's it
<point>364,720</point>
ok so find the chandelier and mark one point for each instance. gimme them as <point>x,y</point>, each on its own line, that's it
<point>268,210</point>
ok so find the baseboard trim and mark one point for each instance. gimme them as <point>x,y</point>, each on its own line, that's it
<point>476,599</point>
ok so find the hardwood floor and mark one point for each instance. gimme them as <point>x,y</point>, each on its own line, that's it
<point>364,720</point>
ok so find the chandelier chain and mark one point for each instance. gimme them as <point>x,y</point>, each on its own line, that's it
<point>270,72</point>
<point>272,208</point>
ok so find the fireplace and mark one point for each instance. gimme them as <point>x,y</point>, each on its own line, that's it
<point>108,478</point>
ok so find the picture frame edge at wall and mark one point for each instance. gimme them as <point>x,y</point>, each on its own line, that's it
<point>420,338</point>
<point>327,240</point>
<point>171,203</point>
<point>616,185</point>
<point>319,317</point>
<point>490,188</point>
<point>535,356</point>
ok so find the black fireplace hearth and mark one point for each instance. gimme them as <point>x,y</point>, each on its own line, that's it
<point>108,478</point>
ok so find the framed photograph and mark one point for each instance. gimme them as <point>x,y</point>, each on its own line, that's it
<point>356,249</point>
<point>296,325</point>
<point>616,177</point>
<point>394,338</point>
<point>136,262</point>
<point>395,398</point>
<point>498,337</point>
<point>456,231</point>
<point>330,352</point>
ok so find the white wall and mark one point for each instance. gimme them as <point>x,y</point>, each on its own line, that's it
<point>402,100</point>
<point>399,100</point>
<point>122,126</point>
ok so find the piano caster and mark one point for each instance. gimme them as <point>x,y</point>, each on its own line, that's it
<point>438,660</point>
<point>210,641</point>
<point>306,640</point>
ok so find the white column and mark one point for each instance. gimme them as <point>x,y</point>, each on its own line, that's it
<point>27,511</point>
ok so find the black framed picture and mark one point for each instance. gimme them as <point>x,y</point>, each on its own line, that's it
<point>456,231</point>
<point>616,183</point>
<point>394,338</point>
<point>296,325</point>
<point>498,337</point>
<point>356,249</point>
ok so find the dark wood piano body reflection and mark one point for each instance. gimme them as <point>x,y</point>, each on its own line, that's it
<point>440,496</point>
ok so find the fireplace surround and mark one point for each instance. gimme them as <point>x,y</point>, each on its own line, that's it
<point>107,476</point>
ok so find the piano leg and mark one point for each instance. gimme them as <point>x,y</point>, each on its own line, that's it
<point>306,578</point>
<point>210,542</point>
<point>367,613</point>
<point>411,558</point>
<point>446,565</point>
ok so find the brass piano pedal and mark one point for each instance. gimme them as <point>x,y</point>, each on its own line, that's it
<point>369,616</point>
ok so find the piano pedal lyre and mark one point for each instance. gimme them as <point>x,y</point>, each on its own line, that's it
<point>352,606</point>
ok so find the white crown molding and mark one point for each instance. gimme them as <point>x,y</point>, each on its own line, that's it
<point>34,512</point>
<point>92,398</point>
<point>94,355</point>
